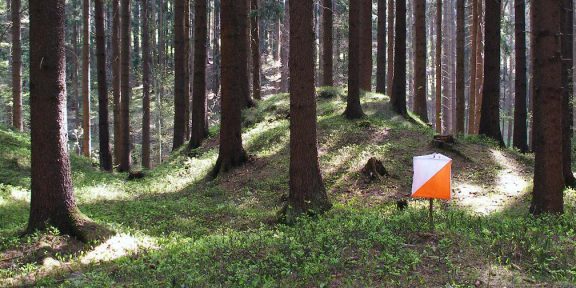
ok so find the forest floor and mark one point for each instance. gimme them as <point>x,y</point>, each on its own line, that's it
<point>177,228</point>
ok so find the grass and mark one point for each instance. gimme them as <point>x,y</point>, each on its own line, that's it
<point>175,228</point>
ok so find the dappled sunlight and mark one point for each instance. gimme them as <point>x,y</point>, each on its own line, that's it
<point>19,194</point>
<point>100,192</point>
<point>118,246</point>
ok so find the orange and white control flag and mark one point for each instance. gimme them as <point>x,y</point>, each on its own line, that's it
<point>432,177</point>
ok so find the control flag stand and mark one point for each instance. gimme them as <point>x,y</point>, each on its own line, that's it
<point>432,180</point>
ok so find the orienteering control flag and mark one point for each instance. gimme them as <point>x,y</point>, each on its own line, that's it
<point>432,176</point>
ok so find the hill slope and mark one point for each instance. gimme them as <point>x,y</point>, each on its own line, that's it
<point>175,227</point>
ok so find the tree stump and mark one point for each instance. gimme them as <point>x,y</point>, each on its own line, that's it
<point>374,169</point>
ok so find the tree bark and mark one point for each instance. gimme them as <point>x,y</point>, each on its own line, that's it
<point>353,107</point>
<point>365,45</point>
<point>52,201</point>
<point>17,119</point>
<point>199,116</point>
<point>146,60</point>
<point>547,196</point>
<point>104,135</point>
<point>255,40</point>
<point>490,112</point>
<point>179,75</point>
<point>420,105</point>
<point>398,97</point>
<point>473,64</point>
<point>187,67</point>
<point>125,154</point>
<point>460,70</point>
<point>567,113</point>
<point>116,77</point>
<point>86,127</point>
<point>520,106</point>
<point>439,128</point>
<point>235,88</point>
<point>285,71</point>
<point>390,43</point>
<point>307,193</point>
<point>327,24</point>
<point>381,50</point>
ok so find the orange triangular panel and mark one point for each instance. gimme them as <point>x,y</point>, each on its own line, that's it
<point>438,187</point>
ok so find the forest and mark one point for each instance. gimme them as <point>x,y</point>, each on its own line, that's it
<point>278,143</point>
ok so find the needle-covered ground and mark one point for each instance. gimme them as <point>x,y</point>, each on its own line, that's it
<point>177,228</point>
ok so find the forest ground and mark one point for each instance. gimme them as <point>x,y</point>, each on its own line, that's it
<point>175,227</point>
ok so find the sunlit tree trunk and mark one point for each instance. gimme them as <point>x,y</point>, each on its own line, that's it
<point>438,93</point>
<point>125,158</point>
<point>86,138</point>
<point>381,50</point>
<point>353,107</point>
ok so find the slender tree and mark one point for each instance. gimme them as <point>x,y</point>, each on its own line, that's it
<point>52,201</point>
<point>438,66</point>
<point>420,81</point>
<point>255,41</point>
<point>17,119</point>
<point>520,85</point>
<point>473,63</point>
<point>116,21</point>
<point>125,154</point>
<point>104,136</point>
<point>285,71</point>
<point>146,60</point>
<point>353,107</point>
<point>398,97</point>
<point>365,45</point>
<point>390,44</point>
<point>567,104</point>
<point>546,21</point>
<point>381,50</point>
<point>327,42</point>
<point>235,88</point>
<point>199,121</point>
<point>490,112</point>
<point>460,72</point>
<point>179,75</point>
<point>307,192</point>
<point>86,127</point>
<point>187,67</point>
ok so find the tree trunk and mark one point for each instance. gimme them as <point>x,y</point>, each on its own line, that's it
<point>479,65</point>
<point>307,192</point>
<point>86,137</point>
<point>105,155</point>
<point>255,40</point>
<point>473,64</point>
<point>52,201</point>
<point>116,21</point>
<point>390,43</point>
<point>146,60</point>
<point>327,24</point>
<point>285,71</point>
<point>365,45</point>
<point>179,75</point>
<point>353,107</point>
<point>420,105</point>
<point>460,70</point>
<point>381,50</point>
<point>567,113</point>
<point>199,118</point>
<point>398,97</point>
<point>490,112</point>
<point>235,88</point>
<point>187,57</point>
<point>17,119</point>
<point>136,45</point>
<point>439,67</point>
<point>548,100</point>
<point>520,107</point>
<point>125,158</point>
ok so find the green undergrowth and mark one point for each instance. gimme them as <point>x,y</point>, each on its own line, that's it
<point>184,230</point>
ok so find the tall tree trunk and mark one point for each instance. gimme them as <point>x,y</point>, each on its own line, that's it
<point>116,77</point>
<point>548,100</point>
<point>327,24</point>
<point>136,38</point>
<point>480,54</point>
<point>398,97</point>
<point>520,109</point>
<point>86,127</point>
<point>307,192</point>
<point>199,116</point>
<point>460,70</point>
<point>285,70</point>
<point>187,57</point>
<point>105,154</point>
<point>390,43</point>
<point>353,107</point>
<point>255,40</point>
<point>567,113</point>
<point>235,88</point>
<point>420,105</point>
<point>439,128</point>
<point>52,201</point>
<point>17,119</point>
<point>146,60</point>
<point>74,99</point>
<point>365,45</point>
<point>490,113</point>
<point>216,38</point>
<point>473,47</point>
<point>381,50</point>
<point>125,158</point>
<point>179,78</point>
